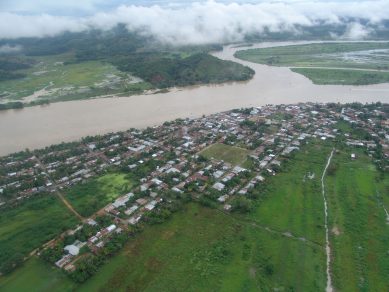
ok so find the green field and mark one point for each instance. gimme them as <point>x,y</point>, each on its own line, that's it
<point>335,56</point>
<point>343,77</point>
<point>278,246</point>
<point>36,276</point>
<point>231,154</point>
<point>28,226</point>
<point>69,81</point>
<point>360,233</point>
<point>89,197</point>
<point>200,249</point>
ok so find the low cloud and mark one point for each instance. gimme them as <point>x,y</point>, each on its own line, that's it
<point>205,22</point>
<point>356,31</point>
<point>7,49</point>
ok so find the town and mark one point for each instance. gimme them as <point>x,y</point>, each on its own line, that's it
<point>221,161</point>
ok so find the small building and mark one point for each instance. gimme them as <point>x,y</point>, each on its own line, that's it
<point>227,207</point>
<point>111,228</point>
<point>219,186</point>
<point>63,261</point>
<point>141,201</point>
<point>72,249</point>
<point>353,156</point>
<point>223,198</point>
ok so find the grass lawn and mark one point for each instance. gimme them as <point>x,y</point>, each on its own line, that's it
<point>34,222</point>
<point>343,77</point>
<point>89,197</point>
<point>36,275</point>
<point>231,154</point>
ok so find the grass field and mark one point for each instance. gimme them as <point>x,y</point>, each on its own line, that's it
<point>199,249</point>
<point>28,226</point>
<point>231,154</point>
<point>338,56</point>
<point>297,190</point>
<point>69,81</point>
<point>278,246</point>
<point>90,197</point>
<point>35,276</point>
<point>360,233</point>
<point>343,77</point>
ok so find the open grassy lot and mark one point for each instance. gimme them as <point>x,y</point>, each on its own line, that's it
<point>360,232</point>
<point>36,275</point>
<point>198,249</point>
<point>343,77</point>
<point>89,197</point>
<point>28,226</point>
<point>231,154</point>
<point>205,250</point>
<point>338,56</point>
<point>278,246</point>
<point>293,201</point>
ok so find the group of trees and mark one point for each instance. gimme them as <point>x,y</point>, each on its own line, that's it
<point>163,70</point>
<point>9,67</point>
<point>161,66</point>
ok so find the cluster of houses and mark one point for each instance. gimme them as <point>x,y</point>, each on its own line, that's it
<point>60,166</point>
<point>172,153</point>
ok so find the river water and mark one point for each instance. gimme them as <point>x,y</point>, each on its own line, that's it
<point>41,126</point>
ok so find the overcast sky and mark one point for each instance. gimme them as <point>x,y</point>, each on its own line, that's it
<point>183,21</point>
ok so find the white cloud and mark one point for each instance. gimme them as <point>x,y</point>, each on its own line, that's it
<point>356,31</point>
<point>201,22</point>
<point>7,49</point>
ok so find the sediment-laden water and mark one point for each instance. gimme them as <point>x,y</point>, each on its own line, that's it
<point>65,121</point>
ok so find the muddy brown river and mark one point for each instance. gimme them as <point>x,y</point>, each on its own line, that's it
<point>37,127</point>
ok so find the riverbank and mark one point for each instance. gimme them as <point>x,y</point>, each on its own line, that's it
<point>38,127</point>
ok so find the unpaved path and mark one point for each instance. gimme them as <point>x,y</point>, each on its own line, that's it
<point>69,206</point>
<point>329,287</point>
<point>286,234</point>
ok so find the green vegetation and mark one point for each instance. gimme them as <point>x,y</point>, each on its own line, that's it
<point>95,63</point>
<point>28,225</point>
<point>343,77</point>
<point>329,61</point>
<point>202,249</point>
<point>297,190</point>
<point>36,275</point>
<point>89,197</point>
<point>232,154</point>
<point>357,195</point>
<point>278,245</point>
<point>344,55</point>
<point>163,70</point>
<point>62,79</point>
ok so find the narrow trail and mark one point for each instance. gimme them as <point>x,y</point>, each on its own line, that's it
<point>286,234</point>
<point>57,192</point>
<point>69,206</point>
<point>329,287</point>
<point>381,203</point>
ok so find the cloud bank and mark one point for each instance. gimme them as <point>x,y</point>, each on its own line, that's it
<point>203,22</point>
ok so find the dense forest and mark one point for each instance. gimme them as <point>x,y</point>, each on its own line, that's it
<point>163,71</point>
